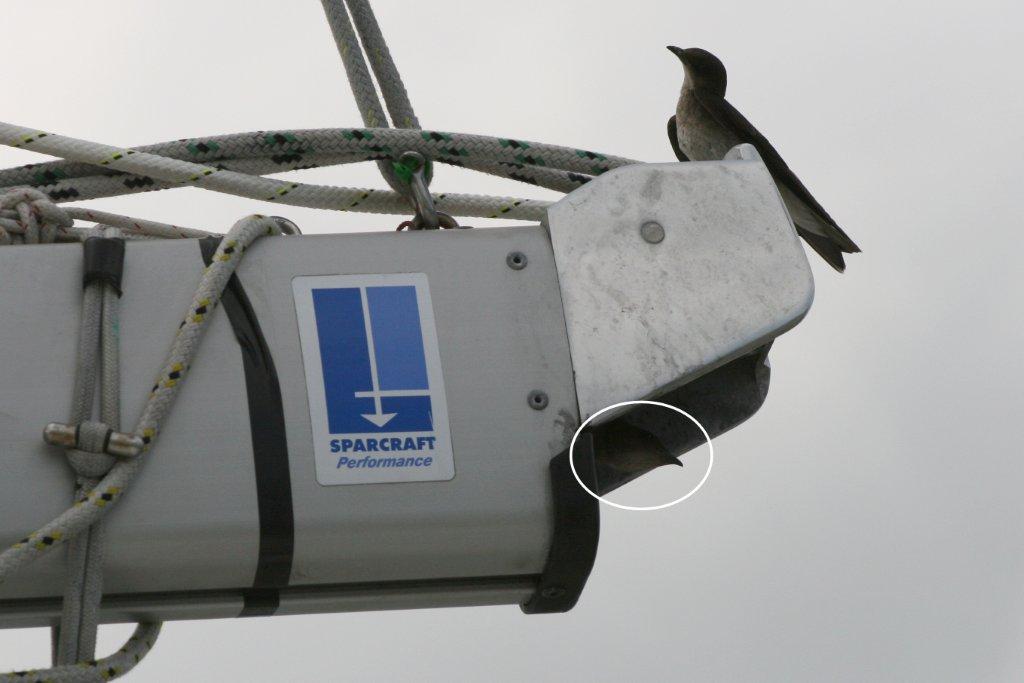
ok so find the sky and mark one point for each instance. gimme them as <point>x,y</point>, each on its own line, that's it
<point>865,524</point>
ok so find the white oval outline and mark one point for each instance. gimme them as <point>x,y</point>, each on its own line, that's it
<point>643,508</point>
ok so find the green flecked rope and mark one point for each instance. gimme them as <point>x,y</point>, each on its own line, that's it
<point>92,174</point>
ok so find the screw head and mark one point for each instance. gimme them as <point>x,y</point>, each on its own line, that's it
<point>516,260</point>
<point>652,232</point>
<point>538,400</point>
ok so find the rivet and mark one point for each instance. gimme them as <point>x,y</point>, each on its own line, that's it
<point>516,260</point>
<point>553,592</point>
<point>538,400</point>
<point>652,232</point>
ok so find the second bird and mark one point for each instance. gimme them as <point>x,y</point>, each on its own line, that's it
<point>706,126</point>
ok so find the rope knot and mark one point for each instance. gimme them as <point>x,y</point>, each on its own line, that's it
<point>92,447</point>
<point>90,460</point>
<point>28,216</point>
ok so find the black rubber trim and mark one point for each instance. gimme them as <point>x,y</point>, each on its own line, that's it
<point>104,261</point>
<point>576,532</point>
<point>269,450</point>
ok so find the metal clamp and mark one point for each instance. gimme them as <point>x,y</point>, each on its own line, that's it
<point>427,216</point>
<point>118,444</point>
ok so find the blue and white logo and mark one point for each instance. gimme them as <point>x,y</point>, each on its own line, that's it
<point>373,373</point>
<point>371,350</point>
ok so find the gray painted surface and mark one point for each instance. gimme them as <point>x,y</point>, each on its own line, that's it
<point>189,521</point>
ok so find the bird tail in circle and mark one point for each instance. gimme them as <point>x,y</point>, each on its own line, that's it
<point>826,248</point>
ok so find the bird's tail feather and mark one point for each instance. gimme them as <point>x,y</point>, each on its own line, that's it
<point>826,248</point>
<point>813,220</point>
<point>842,240</point>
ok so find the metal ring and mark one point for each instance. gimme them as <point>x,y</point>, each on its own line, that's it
<point>287,227</point>
<point>444,221</point>
<point>427,216</point>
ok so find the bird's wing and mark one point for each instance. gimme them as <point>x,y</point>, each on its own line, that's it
<point>673,137</point>
<point>727,115</point>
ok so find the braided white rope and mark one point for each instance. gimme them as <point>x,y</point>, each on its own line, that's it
<point>135,227</point>
<point>98,345</point>
<point>360,82</point>
<point>384,69</point>
<point>95,671</point>
<point>99,186</point>
<point>255,187</point>
<point>97,497</point>
<point>108,491</point>
<point>86,187</point>
<point>27,216</point>
<point>289,145</point>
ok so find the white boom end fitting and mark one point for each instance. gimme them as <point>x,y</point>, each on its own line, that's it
<point>668,271</point>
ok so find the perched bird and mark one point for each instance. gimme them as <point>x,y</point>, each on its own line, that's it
<point>706,126</point>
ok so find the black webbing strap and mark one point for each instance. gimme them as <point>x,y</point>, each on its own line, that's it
<point>269,450</point>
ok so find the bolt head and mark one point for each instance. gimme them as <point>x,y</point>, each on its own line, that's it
<point>538,400</point>
<point>652,232</point>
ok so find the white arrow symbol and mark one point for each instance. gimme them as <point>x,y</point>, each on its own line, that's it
<point>378,417</point>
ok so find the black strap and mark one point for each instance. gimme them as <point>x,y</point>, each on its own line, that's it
<point>104,261</point>
<point>577,528</point>
<point>269,450</point>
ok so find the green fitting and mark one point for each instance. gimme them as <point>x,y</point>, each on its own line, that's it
<point>405,167</point>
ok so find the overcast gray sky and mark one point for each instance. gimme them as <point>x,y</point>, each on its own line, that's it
<point>866,524</point>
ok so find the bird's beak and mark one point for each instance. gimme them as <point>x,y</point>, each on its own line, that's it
<point>678,52</point>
